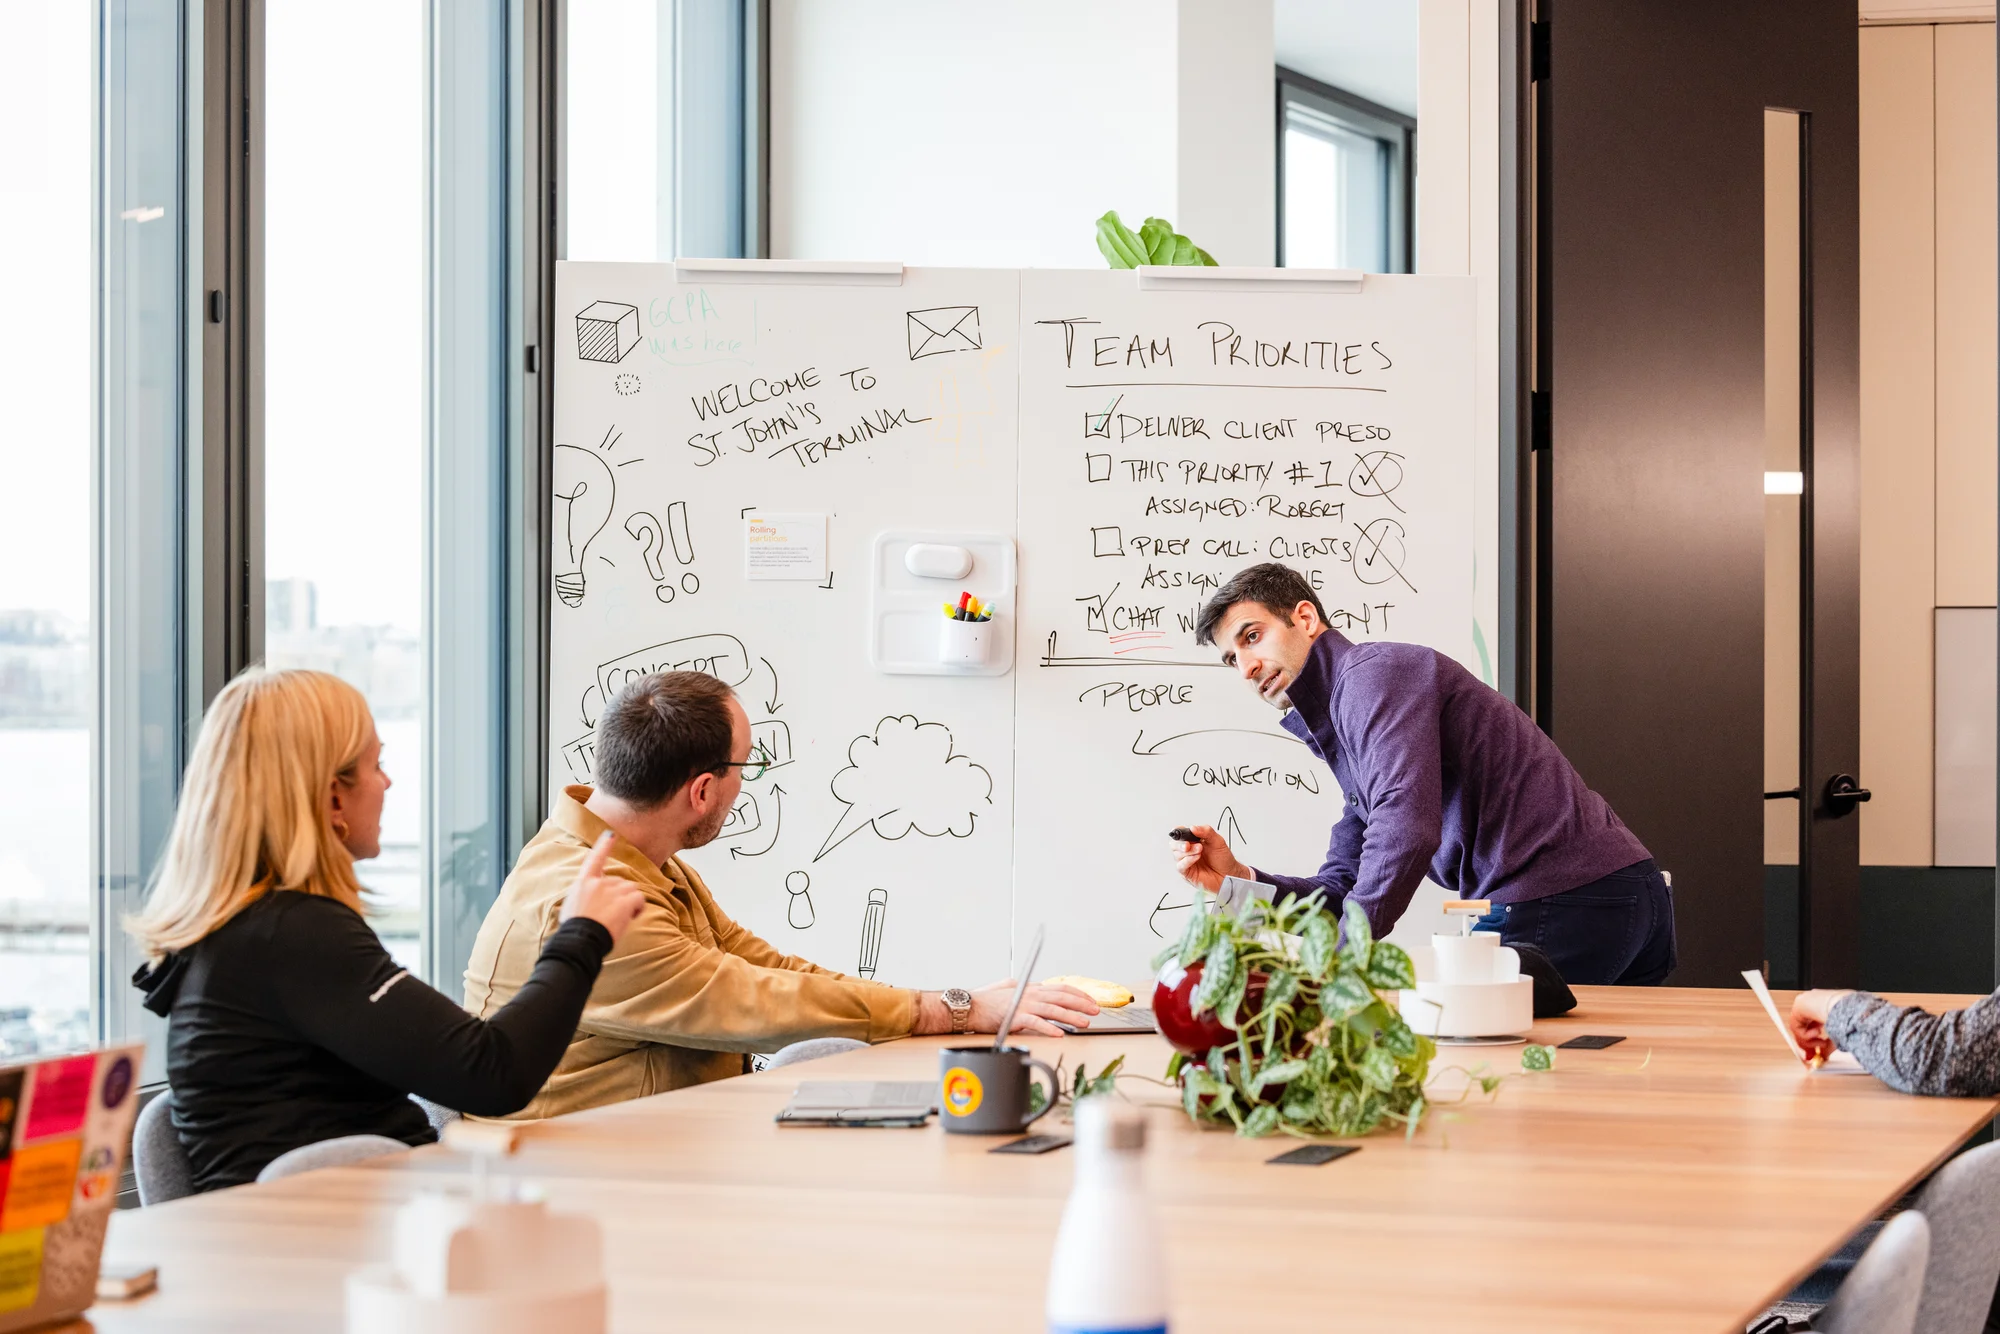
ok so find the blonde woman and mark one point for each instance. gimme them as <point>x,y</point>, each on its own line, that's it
<point>287,1022</point>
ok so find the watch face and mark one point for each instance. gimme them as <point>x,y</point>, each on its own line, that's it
<point>957,998</point>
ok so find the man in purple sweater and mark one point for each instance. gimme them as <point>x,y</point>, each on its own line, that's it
<point>1440,774</point>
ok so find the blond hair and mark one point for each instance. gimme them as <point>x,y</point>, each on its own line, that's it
<point>253,813</point>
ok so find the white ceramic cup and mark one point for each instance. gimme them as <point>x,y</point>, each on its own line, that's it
<point>1468,959</point>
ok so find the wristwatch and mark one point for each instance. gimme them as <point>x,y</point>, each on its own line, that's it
<point>959,1001</point>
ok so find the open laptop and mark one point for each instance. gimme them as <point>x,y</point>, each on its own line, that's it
<point>65,1127</point>
<point>1124,1019</point>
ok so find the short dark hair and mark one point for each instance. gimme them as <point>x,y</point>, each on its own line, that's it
<point>662,732</point>
<point>1274,587</point>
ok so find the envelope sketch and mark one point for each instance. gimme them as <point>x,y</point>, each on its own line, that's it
<point>943,329</point>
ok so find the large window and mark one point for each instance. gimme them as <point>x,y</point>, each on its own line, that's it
<point>1344,173</point>
<point>655,145</point>
<point>273,393</point>
<point>46,691</point>
<point>344,363</point>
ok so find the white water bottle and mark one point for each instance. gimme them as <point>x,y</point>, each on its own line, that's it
<point>1108,1274</point>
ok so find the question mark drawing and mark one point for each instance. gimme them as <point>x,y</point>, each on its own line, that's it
<point>645,530</point>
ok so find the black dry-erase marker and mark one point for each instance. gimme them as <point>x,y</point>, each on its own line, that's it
<point>1184,834</point>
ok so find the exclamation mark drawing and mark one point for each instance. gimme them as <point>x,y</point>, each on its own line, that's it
<point>871,931</point>
<point>682,541</point>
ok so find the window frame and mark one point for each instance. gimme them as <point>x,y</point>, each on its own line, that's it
<point>1392,128</point>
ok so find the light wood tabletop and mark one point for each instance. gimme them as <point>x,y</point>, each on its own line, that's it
<point>1677,1181</point>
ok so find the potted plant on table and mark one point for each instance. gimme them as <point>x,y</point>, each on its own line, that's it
<point>1278,1024</point>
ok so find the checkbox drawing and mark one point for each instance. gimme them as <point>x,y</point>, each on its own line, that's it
<point>1097,467</point>
<point>1107,542</point>
<point>1097,425</point>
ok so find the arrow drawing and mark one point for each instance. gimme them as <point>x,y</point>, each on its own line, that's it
<point>1154,749</point>
<point>1227,826</point>
<point>1050,658</point>
<point>1164,906</point>
<point>772,706</point>
<point>777,823</point>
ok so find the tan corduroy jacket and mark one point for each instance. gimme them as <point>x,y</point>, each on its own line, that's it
<point>684,994</point>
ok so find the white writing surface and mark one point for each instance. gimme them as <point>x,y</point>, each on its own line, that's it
<point>912,824</point>
<point>880,841</point>
<point>1168,440</point>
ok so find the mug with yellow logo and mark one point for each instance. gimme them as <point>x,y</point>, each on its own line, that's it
<point>984,1090</point>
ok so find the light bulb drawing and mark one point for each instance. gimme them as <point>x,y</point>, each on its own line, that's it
<point>584,494</point>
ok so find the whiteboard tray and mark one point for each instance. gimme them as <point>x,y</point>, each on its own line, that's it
<point>906,610</point>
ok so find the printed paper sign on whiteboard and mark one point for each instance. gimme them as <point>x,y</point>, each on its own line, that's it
<point>784,546</point>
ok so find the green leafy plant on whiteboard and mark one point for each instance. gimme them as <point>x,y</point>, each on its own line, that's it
<point>1309,1046</point>
<point>1156,242</point>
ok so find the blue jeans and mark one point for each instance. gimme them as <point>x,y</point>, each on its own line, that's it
<point>1616,930</point>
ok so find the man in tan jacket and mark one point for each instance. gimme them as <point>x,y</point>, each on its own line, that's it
<point>687,993</point>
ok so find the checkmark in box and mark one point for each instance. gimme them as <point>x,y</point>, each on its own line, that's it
<point>1097,425</point>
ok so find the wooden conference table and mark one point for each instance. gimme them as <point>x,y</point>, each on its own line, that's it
<point>1677,1181</point>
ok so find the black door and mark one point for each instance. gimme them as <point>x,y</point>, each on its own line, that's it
<point>1649,584</point>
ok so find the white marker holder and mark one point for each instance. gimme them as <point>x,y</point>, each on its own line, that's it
<point>911,579</point>
<point>965,644</point>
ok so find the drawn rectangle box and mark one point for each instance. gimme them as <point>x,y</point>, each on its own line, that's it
<point>606,331</point>
<point>1097,467</point>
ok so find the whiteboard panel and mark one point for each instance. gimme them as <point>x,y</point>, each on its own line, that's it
<point>1169,439</point>
<point>679,408</point>
<point>917,822</point>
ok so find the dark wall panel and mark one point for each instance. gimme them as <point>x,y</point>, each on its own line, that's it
<point>1652,197</point>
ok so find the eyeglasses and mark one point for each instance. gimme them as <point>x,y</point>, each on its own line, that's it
<point>754,767</point>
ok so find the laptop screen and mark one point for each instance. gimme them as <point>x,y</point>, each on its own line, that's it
<point>65,1124</point>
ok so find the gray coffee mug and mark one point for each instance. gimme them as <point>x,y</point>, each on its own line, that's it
<point>984,1090</point>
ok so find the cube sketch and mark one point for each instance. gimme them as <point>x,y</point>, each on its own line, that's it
<point>606,331</point>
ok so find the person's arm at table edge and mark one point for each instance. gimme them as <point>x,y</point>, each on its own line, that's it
<point>1954,1054</point>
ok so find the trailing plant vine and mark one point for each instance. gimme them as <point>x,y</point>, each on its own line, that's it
<point>1315,1049</point>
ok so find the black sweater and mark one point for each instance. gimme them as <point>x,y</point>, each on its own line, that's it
<point>290,1024</point>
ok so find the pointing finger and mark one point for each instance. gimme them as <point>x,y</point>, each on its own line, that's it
<point>600,854</point>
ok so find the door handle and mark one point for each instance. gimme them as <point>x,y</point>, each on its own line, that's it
<point>1843,794</point>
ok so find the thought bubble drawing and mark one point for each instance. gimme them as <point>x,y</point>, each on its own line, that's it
<point>907,778</point>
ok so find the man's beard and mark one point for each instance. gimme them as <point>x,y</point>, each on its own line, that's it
<point>705,832</point>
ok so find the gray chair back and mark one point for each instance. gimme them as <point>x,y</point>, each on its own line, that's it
<point>1881,1295</point>
<point>330,1153</point>
<point>159,1163</point>
<point>1962,1205</point>
<point>811,1050</point>
<point>437,1114</point>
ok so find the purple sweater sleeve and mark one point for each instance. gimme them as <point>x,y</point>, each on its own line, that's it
<point>1388,713</point>
<point>1336,874</point>
<point>1392,715</point>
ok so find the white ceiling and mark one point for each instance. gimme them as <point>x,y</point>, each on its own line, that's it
<point>1367,47</point>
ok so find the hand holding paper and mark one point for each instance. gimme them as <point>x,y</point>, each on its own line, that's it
<point>1821,1055</point>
